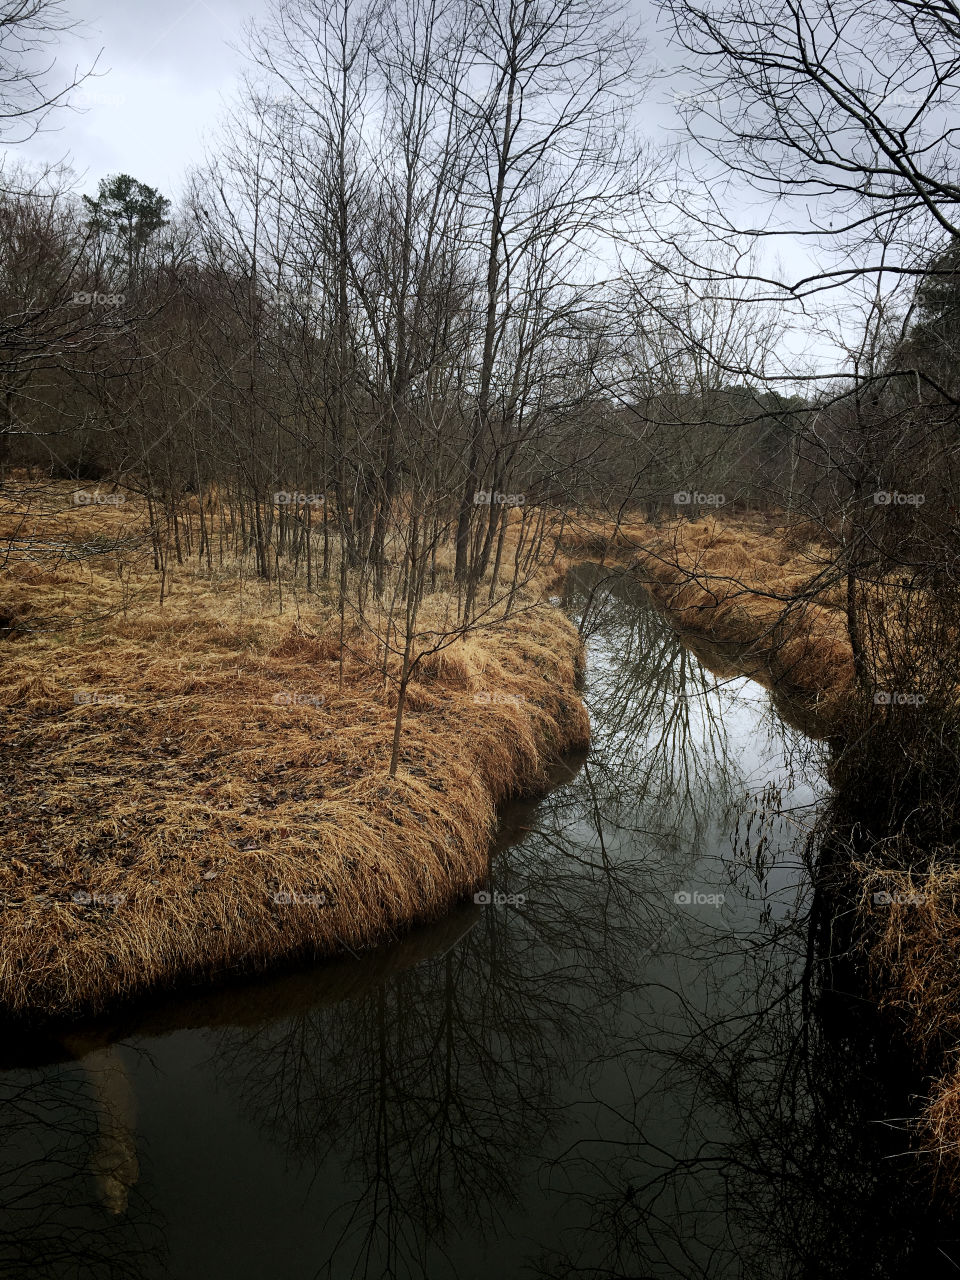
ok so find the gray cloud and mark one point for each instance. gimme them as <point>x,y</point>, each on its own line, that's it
<point>162,75</point>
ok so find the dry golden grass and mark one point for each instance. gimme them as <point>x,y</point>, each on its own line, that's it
<point>172,811</point>
<point>768,603</point>
<point>912,934</point>
<point>771,601</point>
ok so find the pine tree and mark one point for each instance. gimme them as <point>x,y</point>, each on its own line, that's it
<point>132,213</point>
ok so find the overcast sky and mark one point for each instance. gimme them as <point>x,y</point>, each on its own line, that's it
<point>165,70</point>
<point>163,74</point>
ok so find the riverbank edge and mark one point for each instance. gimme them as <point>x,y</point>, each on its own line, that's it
<point>907,926</point>
<point>404,852</point>
<point>795,646</point>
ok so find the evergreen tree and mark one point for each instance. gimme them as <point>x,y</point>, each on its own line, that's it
<point>132,213</point>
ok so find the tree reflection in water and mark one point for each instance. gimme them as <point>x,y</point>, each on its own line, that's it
<point>603,1080</point>
<point>55,1221</point>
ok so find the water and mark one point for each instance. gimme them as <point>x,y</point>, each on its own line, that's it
<point>643,1068</point>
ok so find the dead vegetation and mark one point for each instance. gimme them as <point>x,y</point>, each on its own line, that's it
<point>774,603</point>
<point>768,601</point>
<point>203,787</point>
<point>911,925</point>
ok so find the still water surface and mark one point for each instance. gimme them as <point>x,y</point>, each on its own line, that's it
<point>643,1069</point>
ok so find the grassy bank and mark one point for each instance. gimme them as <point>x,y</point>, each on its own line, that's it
<point>909,921</point>
<point>202,788</point>
<point>768,602</point>
<point>755,599</point>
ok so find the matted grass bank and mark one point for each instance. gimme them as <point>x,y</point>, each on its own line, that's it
<point>203,789</point>
<point>754,600</point>
<point>770,601</point>
<point>911,937</point>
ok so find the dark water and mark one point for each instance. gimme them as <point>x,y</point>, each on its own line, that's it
<point>649,1067</point>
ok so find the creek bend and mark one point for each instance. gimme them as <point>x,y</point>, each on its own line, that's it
<point>634,1060</point>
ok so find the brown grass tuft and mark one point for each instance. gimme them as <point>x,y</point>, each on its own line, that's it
<point>748,590</point>
<point>912,938</point>
<point>172,771</point>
